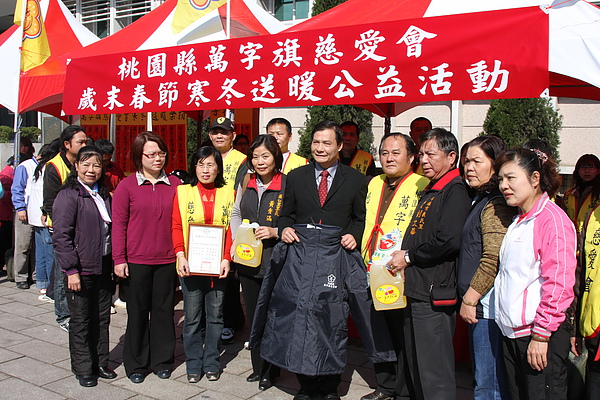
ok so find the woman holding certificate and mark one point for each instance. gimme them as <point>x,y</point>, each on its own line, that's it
<point>259,200</point>
<point>205,200</point>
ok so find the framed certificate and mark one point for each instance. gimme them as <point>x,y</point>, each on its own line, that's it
<point>205,249</point>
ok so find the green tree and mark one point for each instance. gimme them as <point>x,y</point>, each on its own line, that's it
<point>323,5</point>
<point>339,114</point>
<point>518,120</point>
<point>192,135</point>
<point>6,133</point>
<point>31,132</point>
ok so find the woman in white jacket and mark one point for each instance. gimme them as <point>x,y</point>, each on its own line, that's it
<point>534,285</point>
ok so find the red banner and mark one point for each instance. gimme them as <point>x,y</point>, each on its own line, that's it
<point>495,54</point>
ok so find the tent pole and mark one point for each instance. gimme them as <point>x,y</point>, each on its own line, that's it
<point>149,121</point>
<point>17,144</point>
<point>229,20</point>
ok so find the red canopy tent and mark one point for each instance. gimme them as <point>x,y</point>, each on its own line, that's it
<point>43,87</point>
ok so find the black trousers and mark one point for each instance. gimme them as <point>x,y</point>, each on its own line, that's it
<point>391,376</point>
<point>90,318</point>
<point>318,385</point>
<point>428,333</point>
<point>250,290</point>
<point>150,334</point>
<point>525,383</point>
<point>233,312</point>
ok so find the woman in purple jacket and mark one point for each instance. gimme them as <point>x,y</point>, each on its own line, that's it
<point>81,240</point>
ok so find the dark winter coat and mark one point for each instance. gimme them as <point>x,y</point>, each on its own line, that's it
<point>78,228</point>
<point>301,318</point>
<point>268,214</point>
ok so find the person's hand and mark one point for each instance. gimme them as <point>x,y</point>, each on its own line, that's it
<point>122,270</point>
<point>22,215</point>
<point>468,313</point>
<point>224,269</point>
<point>265,232</point>
<point>348,242</point>
<point>183,267</point>
<point>44,219</point>
<point>537,354</point>
<point>576,346</point>
<point>74,282</point>
<point>398,262</point>
<point>289,235</point>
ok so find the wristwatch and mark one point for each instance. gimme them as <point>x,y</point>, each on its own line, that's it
<point>406,257</point>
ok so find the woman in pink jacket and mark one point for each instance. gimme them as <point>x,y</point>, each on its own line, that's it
<point>534,285</point>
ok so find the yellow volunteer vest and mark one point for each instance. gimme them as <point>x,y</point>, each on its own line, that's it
<point>293,161</point>
<point>361,161</point>
<point>191,210</point>
<point>63,173</point>
<point>589,323</point>
<point>577,214</point>
<point>231,164</point>
<point>399,213</point>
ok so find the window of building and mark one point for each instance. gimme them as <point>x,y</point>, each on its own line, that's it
<point>287,10</point>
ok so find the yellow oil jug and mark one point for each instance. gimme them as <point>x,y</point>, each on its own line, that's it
<point>387,288</point>
<point>248,249</point>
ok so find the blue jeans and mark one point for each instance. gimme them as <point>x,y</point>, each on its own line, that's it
<point>488,361</point>
<point>44,253</point>
<point>199,293</point>
<point>61,307</point>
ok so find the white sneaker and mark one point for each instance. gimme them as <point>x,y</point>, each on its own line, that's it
<point>120,303</point>
<point>45,298</point>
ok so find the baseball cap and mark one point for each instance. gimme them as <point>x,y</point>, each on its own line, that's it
<point>223,123</point>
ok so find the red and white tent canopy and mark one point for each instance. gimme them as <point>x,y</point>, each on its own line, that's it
<point>64,33</point>
<point>43,87</point>
<point>574,36</point>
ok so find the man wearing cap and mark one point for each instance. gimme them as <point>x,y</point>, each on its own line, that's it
<point>352,156</point>
<point>222,136</point>
<point>281,130</point>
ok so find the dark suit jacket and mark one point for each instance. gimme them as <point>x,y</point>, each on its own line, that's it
<point>344,206</point>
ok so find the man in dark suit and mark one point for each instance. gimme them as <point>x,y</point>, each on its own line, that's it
<point>329,193</point>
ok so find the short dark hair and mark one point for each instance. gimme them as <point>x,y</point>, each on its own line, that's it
<point>419,119</point>
<point>68,133</point>
<point>530,161</point>
<point>351,123</point>
<point>445,140</point>
<point>493,147</point>
<point>85,153</point>
<point>271,144</point>
<point>411,148</point>
<point>137,147</point>
<point>321,126</point>
<point>105,146</point>
<point>25,141</point>
<point>282,121</point>
<point>200,155</point>
<point>240,137</point>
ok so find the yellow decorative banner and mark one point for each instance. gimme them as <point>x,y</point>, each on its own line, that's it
<point>188,11</point>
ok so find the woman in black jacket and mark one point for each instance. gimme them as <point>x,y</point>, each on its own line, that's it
<point>81,239</point>
<point>260,200</point>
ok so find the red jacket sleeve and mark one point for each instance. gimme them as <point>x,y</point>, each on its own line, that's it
<point>177,227</point>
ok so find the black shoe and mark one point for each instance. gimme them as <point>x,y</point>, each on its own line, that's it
<point>24,286</point>
<point>106,373</point>
<point>164,374</point>
<point>87,380</point>
<point>332,396</point>
<point>253,377</point>
<point>377,395</point>
<point>302,396</point>
<point>264,384</point>
<point>137,377</point>
<point>213,376</point>
<point>193,378</point>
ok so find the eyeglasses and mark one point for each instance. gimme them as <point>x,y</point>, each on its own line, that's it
<point>205,166</point>
<point>152,156</point>
<point>584,167</point>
